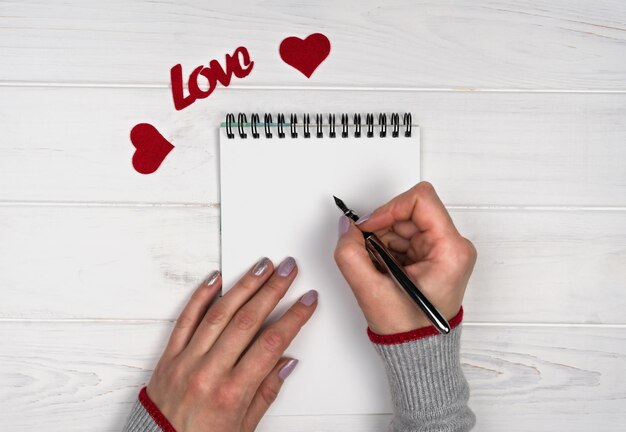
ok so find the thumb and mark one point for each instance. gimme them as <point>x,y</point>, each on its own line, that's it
<point>353,259</point>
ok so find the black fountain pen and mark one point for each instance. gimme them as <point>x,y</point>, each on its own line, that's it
<point>385,260</point>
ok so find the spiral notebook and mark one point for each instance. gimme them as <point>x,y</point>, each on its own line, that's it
<point>278,179</point>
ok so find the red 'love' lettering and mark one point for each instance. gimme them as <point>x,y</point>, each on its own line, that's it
<point>238,64</point>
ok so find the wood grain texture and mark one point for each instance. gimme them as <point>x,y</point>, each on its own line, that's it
<point>545,378</point>
<point>451,44</point>
<point>143,263</point>
<point>103,262</point>
<point>68,377</point>
<point>478,149</point>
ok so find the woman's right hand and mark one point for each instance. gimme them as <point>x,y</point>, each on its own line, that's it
<point>417,228</point>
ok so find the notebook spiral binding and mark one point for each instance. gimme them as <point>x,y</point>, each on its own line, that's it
<point>279,127</point>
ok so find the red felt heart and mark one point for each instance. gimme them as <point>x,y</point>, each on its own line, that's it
<point>151,148</point>
<point>305,55</point>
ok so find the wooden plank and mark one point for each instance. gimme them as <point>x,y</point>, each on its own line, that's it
<point>520,378</point>
<point>565,267</point>
<point>142,263</point>
<point>479,149</point>
<point>460,45</point>
<point>526,378</point>
<point>104,262</point>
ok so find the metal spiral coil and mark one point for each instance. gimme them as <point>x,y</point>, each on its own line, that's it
<point>293,126</point>
<point>344,125</point>
<point>395,124</point>
<point>357,125</point>
<point>318,125</point>
<point>369,121</point>
<point>267,124</point>
<point>281,125</point>
<point>254,121</point>
<point>242,123</point>
<point>306,123</point>
<point>382,125</point>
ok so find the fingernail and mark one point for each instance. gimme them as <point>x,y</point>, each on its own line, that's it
<point>212,278</point>
<point>286,267</point>
<point>363,218</point>
<point>344,224</point>
<point>309,298</point>
<point>261,266</point>
<point>286,370</point>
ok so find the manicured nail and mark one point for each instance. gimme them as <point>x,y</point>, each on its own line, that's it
<point>286,267</point>
<point>212,278</point>
<point>344,224</point>
<point>261,266</point>
<point>309,298</point>
<point>363,218</point>
<point>286,370</point>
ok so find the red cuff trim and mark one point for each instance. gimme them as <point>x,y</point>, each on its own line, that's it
<point>154,411</point>
<point>420,333</point>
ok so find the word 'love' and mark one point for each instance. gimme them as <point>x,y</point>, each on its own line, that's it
<point>238,64</point>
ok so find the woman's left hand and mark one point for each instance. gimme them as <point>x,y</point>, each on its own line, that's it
<point>215,374</point>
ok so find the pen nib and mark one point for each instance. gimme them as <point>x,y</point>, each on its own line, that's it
<point>340,204</point>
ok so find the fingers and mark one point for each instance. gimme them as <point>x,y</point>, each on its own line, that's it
<point>273,341</point>
<point>192,314</point>
<point>420,204</point>
<point>406,229</point>
<point>354,261</point>
<point>394,242</point>
<point>406,242</point>
<point>222,311</point>
<point>414,249</point>
<point>248,320</point>
<point>267,393</point>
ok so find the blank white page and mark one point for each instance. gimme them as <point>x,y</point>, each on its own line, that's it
<point>277,201</point>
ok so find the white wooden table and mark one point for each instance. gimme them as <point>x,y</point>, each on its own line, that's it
<point>523,112</point>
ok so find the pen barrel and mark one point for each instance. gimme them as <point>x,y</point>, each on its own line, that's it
<point>395,270</point>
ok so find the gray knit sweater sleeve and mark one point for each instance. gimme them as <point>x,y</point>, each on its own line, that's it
<point>140,421</point>
<point>146,416</point>
<point>428,389</point>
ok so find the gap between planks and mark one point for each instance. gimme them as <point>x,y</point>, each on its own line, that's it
<point>164,321</point>
<point>311,88</point>
<point>537,208</point>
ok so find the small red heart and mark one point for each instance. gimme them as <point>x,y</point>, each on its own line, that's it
<point>151,148</point>
<point>305,55</point>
